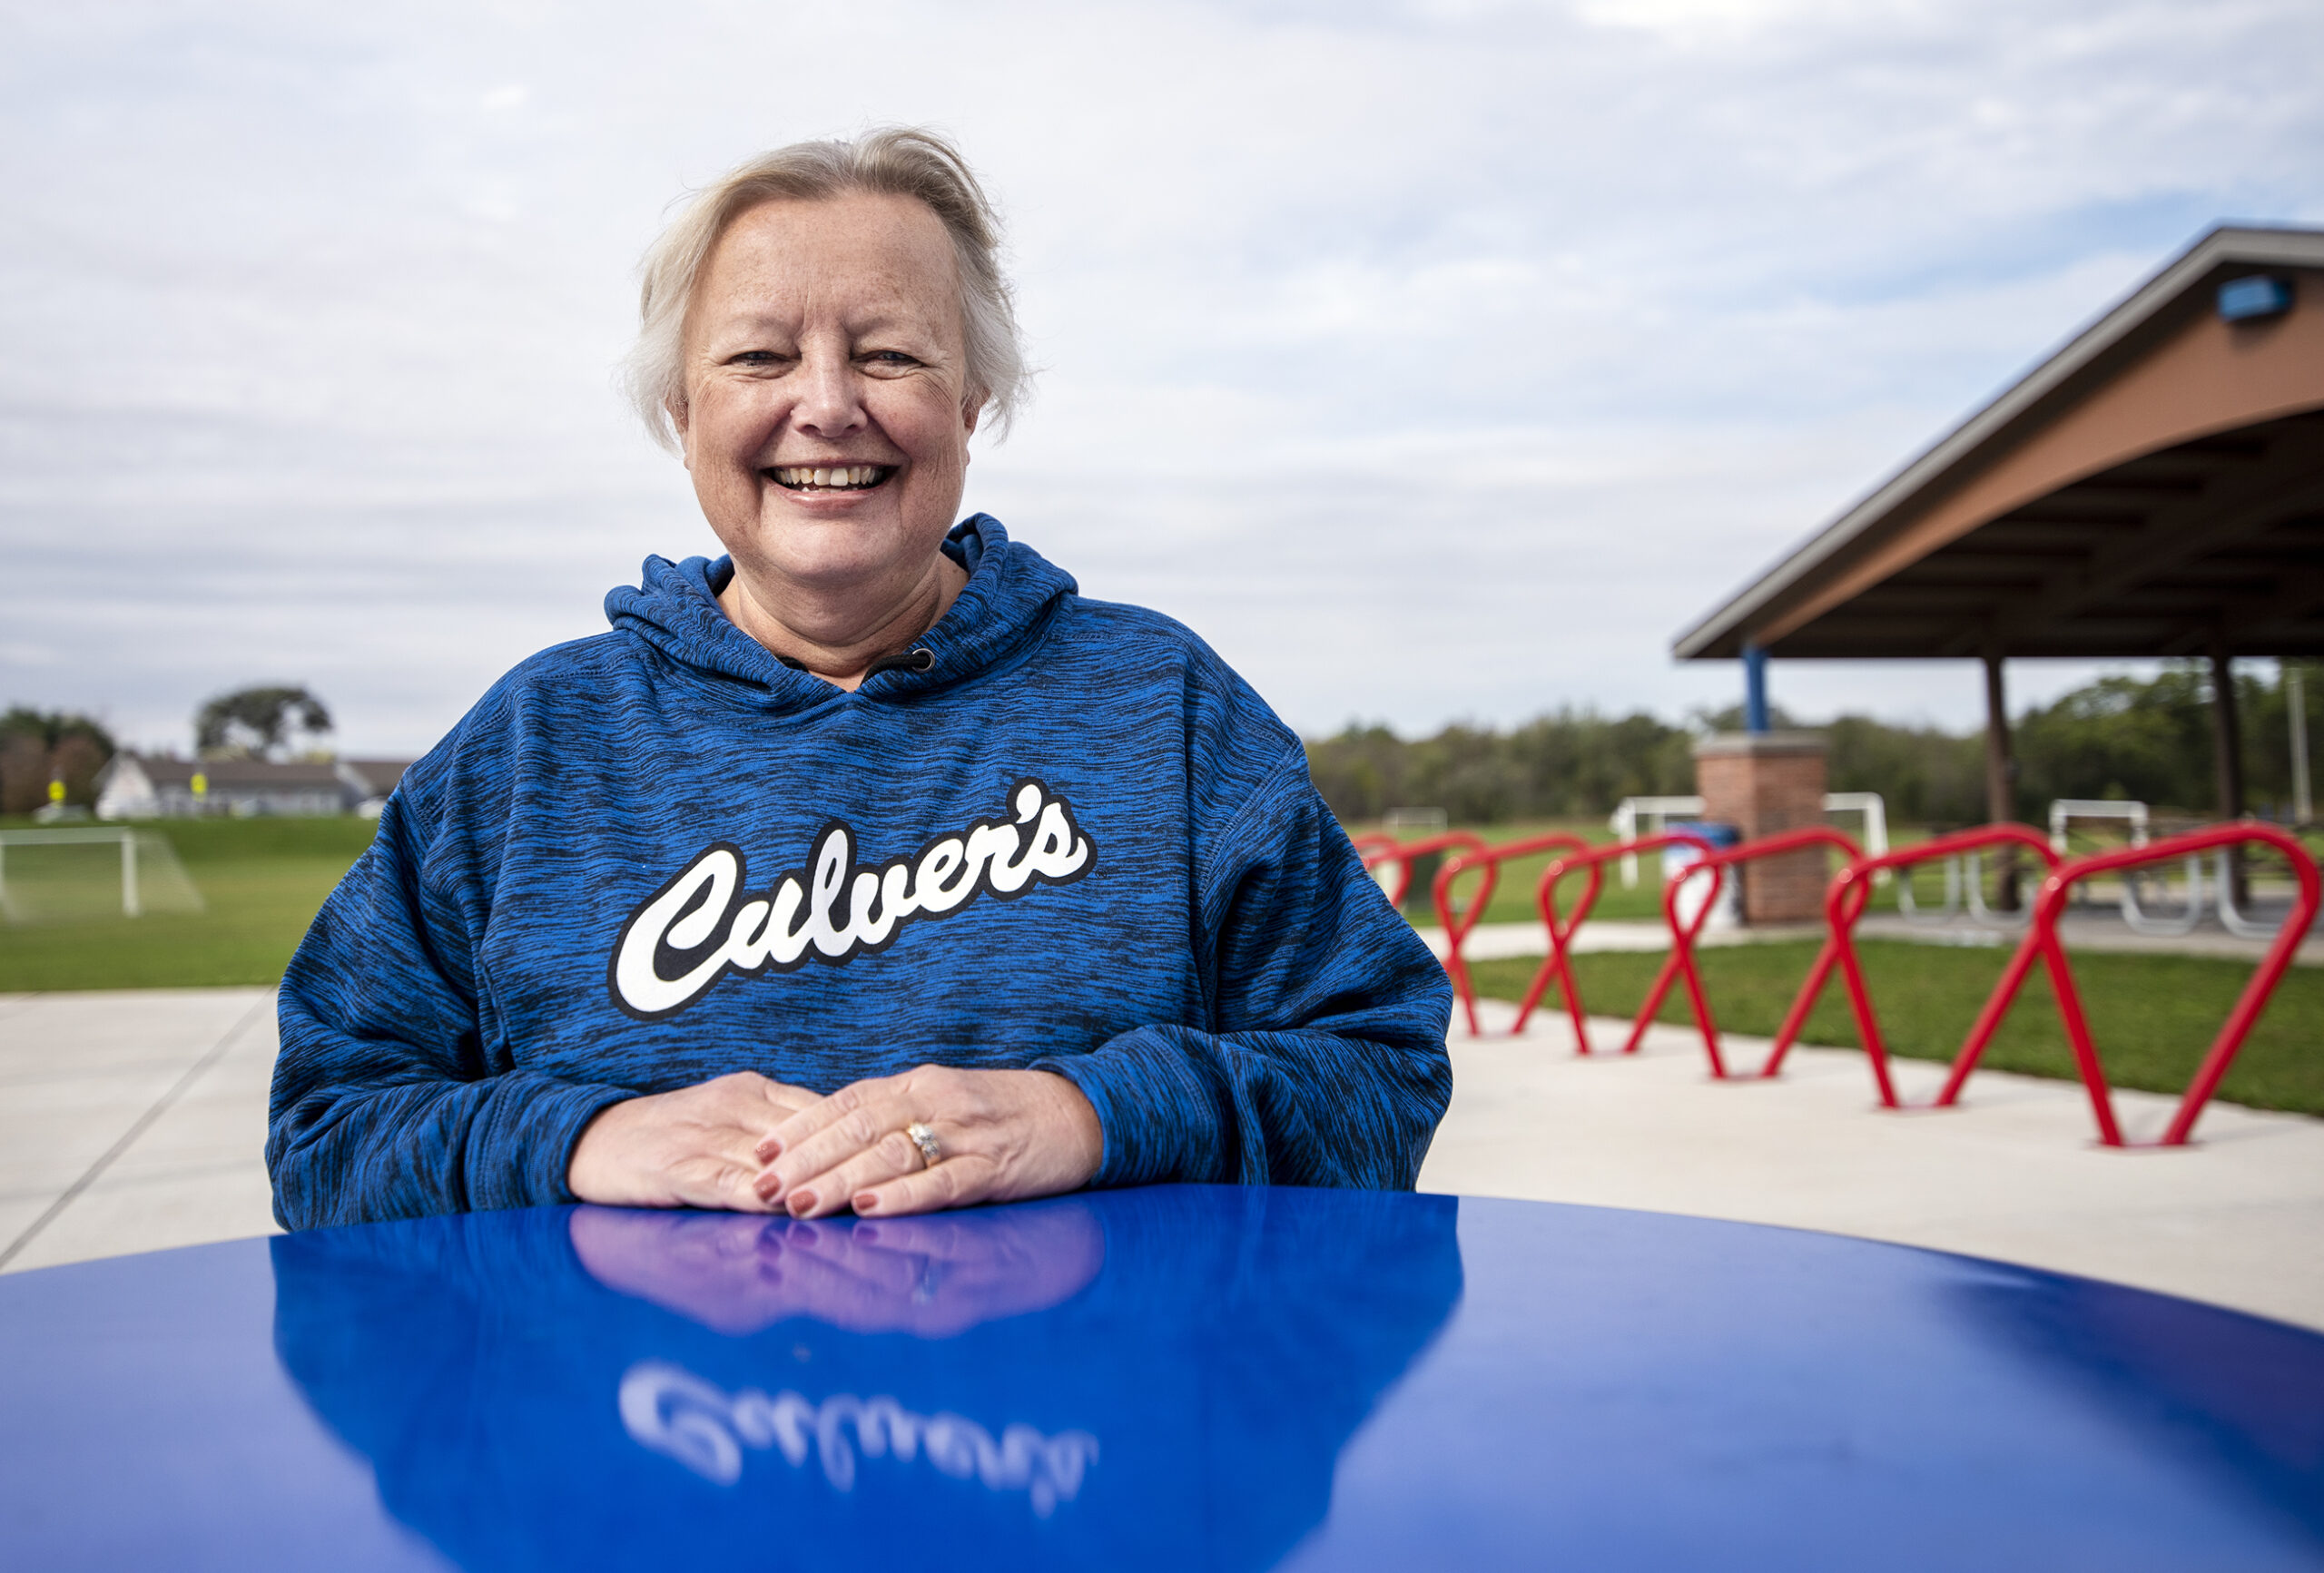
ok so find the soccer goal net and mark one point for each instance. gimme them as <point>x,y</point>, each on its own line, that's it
<point>56,876</point>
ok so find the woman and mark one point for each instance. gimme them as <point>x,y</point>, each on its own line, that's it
<point>870,866</point>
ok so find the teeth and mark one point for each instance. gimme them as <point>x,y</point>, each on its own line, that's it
<point>855,475</point>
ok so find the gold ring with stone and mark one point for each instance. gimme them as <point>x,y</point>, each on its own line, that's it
<point>932,1151</point>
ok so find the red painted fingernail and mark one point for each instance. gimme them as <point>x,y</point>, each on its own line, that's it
<point>867,1202</point>
<point>801,1203</point>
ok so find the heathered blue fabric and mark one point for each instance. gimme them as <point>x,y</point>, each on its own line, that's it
<point>1211,968</point>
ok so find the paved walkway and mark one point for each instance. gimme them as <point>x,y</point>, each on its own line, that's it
<point>135,1121</point>
<point>2014,1174</point>
<point>131,1121</point>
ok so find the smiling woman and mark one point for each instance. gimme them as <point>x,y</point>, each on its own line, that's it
<point>825,416</point>
<point>1046,898</point>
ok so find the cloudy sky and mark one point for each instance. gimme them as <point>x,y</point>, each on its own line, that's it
<point>1432,360</point>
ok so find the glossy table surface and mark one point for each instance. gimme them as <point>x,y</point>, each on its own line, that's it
<point>1183,1378</point>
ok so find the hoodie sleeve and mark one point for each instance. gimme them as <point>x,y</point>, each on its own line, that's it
<point>387,1103</point>
<point>1327,1066</point>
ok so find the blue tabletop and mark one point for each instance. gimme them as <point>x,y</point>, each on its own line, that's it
<point>1184,1377</point>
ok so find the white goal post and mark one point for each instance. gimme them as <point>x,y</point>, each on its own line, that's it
<point>132,883</point>
<point>1659,813</point>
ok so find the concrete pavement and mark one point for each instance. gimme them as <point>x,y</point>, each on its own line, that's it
<point>2014,1174</point>
<point>135,1121</point>
<point>131,1121</point>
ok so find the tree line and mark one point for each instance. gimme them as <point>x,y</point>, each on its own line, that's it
<point>38,747</point>
<point>2118,737</point>
<point>41,746</point>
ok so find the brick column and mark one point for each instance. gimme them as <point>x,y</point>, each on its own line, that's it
<point>1763,782</point>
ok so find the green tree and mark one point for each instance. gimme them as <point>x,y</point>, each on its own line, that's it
<point>1567,764</point>
<point>2118,737</point>
<point>1925,776</point>
<point>39,746</point>
<point>2266,736</point>
<point>257,722</point>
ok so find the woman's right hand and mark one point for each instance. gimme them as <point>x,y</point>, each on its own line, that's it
<point>694,1147</point>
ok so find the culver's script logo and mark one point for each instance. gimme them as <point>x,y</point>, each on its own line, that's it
<point>676,1413</point>
<point>707,922</point>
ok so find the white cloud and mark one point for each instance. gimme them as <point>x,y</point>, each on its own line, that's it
<point>1434,360</point>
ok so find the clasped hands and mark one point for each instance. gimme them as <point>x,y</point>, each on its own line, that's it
<point>747,1144</point>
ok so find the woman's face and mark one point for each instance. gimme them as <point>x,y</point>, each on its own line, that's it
<point>827,415</point>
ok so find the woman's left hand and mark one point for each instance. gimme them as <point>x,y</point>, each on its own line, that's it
<point>1002,1135</point>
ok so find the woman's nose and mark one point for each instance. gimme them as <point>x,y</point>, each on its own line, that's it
<point>831,403</point>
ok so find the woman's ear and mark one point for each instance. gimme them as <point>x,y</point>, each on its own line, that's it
<point>675,409</point>
<point>971,409</point>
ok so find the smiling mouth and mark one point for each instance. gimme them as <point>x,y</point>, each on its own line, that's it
<point>845,477</point>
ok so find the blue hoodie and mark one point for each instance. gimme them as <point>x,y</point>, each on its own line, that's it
<point>1062,836</point>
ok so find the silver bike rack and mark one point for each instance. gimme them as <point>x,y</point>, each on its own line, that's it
<point>1965,886</point>
<point>2231,918</point>
<point>1909,909</point>
<point>2141,921</point>
<point>1982,915</point>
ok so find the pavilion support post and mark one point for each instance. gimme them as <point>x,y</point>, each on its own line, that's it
<point>2001,780</point>
<point>2227,745</point>
<point>2303,805</point>
<point>1755,689</point>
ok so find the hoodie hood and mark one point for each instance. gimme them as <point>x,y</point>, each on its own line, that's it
<point>1011,593</point>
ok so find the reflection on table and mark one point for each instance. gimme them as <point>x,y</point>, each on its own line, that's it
<point>1181,1378</point>
<point>1123,1378</point>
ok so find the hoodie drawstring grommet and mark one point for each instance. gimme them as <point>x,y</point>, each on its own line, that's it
<point>920,659</point>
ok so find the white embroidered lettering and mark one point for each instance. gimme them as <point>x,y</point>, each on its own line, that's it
<point>703,924</point>
<point>750,935</point>
<point>895,891</point>
<point>872,920</point>
<point>1058,852</point>
<point>790,941</point>
<point>938,864</point>
<point>830,878</point>
<point>673,920</point>
<point>992,846</point>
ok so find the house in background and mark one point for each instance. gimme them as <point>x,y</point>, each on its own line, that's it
<point>144,786</point>
<point>373,779</point>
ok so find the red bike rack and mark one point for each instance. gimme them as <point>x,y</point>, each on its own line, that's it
<point>1388,849</point>
<point>2051,904</point>
<point>1843,904</point>
<point>1682,937</point>
<point>1557,967</point>
<point>1375,849</point>
<point>1458,925</point>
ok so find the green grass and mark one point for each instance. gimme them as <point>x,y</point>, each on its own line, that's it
<point>1515,894</point>
<point>261,880</point>
<point>1512,899</point>
<point>2153,1015</point>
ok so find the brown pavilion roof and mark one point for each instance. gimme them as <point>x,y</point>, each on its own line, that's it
<point>2156,488</point>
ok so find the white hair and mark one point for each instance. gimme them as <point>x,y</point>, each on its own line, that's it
<point>890,160</point>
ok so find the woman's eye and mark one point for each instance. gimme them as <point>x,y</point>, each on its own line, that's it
<point>890,357</point>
